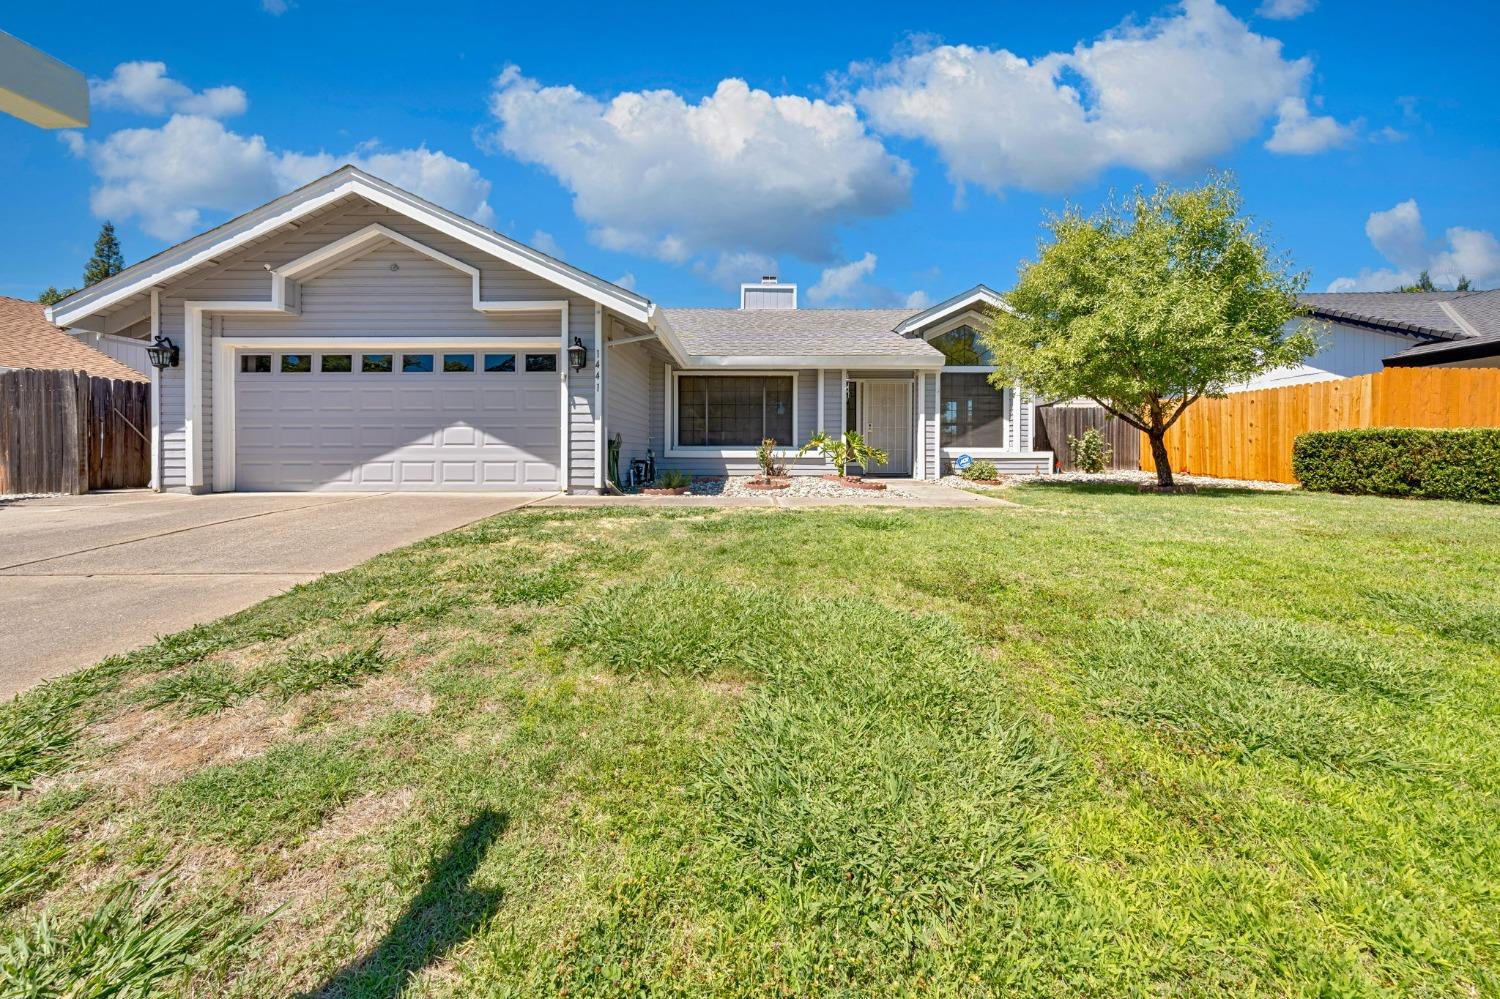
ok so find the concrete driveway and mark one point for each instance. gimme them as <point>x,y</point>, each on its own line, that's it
<point>84,577</point>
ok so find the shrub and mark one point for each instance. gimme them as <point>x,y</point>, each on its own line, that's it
<point>1395,461</point>
<point>766,456</point>
<point>980,471</point>
<point>672,478</point>
<point>1090,453</point>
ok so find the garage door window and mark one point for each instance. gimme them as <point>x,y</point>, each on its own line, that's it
<point>296,364</point>
<point>255,364</point>
<point>416,364</point>
<point>376,363</point>
<point>336,363</point>
<point>458,362</point>
<point>541,362</point>
<point>499,362</point>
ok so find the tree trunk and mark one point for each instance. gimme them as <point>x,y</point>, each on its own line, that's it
<point>1159,458</point>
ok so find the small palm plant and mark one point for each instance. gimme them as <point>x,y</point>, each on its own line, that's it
<point>848,449</point>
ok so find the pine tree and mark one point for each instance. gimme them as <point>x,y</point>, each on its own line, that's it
<point>107,259</point>
<point>53,294</point>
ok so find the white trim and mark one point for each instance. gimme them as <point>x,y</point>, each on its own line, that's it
<point>964,301</point>
<point>565,470</point>
<point>599,448</point>
<point>968,369</point>
<point>937,429</point>
<point>342,183</point>
<point>156,373</point>
<point>919,459</point>
<point>858,361</point>
<point>675,450</point>
<point>768,286</point>
<point>633,339</point>
<point>844,402</point>
<point>228,348</point>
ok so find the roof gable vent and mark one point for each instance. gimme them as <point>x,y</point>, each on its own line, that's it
<point>769,294</point>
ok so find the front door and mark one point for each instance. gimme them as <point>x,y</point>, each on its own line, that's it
<point>885,422</point>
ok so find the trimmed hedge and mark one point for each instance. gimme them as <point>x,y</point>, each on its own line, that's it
<point>1401,461</point>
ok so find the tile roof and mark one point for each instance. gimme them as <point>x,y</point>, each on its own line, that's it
<point>792,332</point>
<point>27,340</point>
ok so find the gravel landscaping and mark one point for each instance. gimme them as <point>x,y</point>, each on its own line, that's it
<point>802,485</point>
<point>1133,478</point>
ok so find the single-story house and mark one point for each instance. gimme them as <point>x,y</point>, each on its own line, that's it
<point>28,340</point>
<point>353,336</point>
<point>1363,332</point>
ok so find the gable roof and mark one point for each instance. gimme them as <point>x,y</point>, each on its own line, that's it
<point>27,340</point>
<point>834,336</point>
<point>1442,315</point>
<point>312,197</point>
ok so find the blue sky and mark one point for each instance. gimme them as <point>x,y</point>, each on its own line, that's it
<point>876,155</point>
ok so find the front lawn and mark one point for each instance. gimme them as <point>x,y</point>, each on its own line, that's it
<point>1099,744</point>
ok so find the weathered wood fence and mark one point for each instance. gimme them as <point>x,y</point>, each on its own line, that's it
<point>1055,424</point>
<point>65,432</point>
<point>1249,435</point>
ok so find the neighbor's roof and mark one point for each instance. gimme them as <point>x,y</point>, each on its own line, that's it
<point>27,340</point>
<point>1442,315</point>
<point>798,333</point>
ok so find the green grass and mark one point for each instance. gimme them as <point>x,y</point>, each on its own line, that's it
<point>1096,744</point>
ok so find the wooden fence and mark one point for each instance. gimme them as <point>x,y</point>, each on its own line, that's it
<point>65,432</point>
<point>1055,424</point>
<point>1249,435</point>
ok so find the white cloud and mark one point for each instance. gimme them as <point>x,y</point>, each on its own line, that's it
<point>1399,236</point>
<point>733,269</point>
<point>543,240</point>
<point>626,281</point>
<point>1285,10</point>
<point>275,7</point>
<point>1161,97</point>
<point>1299,132</point>
<point>850,284</point>
<point>738,171</point>
<point>167,177</point>
<point>841,281</point>
<point>145,88</point>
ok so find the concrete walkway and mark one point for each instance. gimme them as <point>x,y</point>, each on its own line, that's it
<point>85,577</point>
<point>925,495</point>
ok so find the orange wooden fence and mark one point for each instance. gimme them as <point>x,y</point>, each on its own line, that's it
<point>1249,435</point>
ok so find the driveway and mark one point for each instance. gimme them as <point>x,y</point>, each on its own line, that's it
<point>84,577</point>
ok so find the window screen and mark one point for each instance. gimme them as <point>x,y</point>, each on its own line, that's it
<point>733,411</point>
<point>973,411</point>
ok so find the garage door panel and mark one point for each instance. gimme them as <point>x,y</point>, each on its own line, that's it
<point>396,430</point>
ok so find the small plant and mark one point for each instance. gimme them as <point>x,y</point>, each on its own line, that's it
<point>38,734</point>
<point>766,456</point>
<point>980,471</point>
<point>1090,453</point>
<point>672,478</point>
<point>848,449</point>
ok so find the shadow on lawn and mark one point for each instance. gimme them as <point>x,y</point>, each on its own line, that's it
<point>443,915</point>
<point>1130,489</point>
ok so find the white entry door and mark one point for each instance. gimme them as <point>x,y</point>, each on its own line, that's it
<point>368,420</point>
<point>885,422</point>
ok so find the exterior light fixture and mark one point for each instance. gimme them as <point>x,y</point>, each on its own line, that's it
<point>578,355</point>
<point>163,353</point>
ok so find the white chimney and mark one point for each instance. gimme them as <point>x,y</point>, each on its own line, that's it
<point>769,294</point>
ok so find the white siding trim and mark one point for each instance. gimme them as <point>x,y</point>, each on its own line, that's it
<point>156,476</point>
<point>599,447</point>
<point>919,463</point>
<point>565,426</point>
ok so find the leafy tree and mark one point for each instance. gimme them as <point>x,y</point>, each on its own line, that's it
<point>51,296</point>
<point>1463,283</point>
<point>1422,283</point>
<point>1149,305</point>
<point>107,260</point>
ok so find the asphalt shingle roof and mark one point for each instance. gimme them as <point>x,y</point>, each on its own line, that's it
<point>27,340</point>
<point>1427,313</point>
<point>811,332</point>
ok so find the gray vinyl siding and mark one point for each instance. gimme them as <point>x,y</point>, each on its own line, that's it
<point>833,401</point>
<point>627,392</point>
<point>364,297</point>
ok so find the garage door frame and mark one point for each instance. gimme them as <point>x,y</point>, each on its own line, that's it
<point>226,363</point>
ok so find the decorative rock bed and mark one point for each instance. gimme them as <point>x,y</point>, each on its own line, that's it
<point>797,485</point>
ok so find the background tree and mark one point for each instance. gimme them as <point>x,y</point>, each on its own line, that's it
<point>51,296</point>
<point>107,260</point>
<point>1424,283</point>
<point>1149,305</point>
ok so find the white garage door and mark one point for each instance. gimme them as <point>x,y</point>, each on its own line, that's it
<point>394,419</point>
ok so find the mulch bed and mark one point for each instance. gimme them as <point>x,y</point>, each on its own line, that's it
<point>854,482</point>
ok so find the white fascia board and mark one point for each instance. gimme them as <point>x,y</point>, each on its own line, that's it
<point>657,323</point>
<point>880,361</point>
<point>978,296</point>
<point>344,182</point>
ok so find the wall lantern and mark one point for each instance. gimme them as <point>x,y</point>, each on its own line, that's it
<point>578,355</point>
<point>163,353</point>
